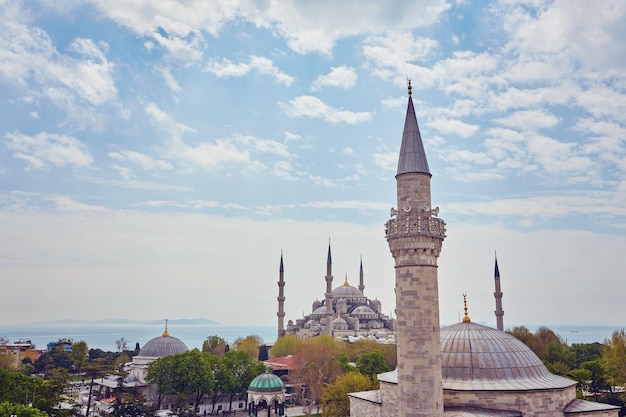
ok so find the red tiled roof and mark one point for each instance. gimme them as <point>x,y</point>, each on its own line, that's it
<point>280,363</point>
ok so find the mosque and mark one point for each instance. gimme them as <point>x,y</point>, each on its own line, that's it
<point>462,370</point>
<point>344,312</point>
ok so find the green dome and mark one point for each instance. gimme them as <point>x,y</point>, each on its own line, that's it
<point>267,383</point>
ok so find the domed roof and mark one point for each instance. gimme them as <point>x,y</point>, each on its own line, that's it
<point>320,310</point>
<point>363,310</point>
<point>162,346</point>
<point>476,357</point>
<point>340,324</point>
<point>267,382</point>
<point>347,290</point>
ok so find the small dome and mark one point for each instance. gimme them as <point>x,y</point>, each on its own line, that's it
<point>340,324</point>
<point>267,382</point>
<point>476,357</point>
<point>163,346</point>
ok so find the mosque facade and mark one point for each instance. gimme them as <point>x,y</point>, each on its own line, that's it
<point>462,370</point>
<point>344,311</point>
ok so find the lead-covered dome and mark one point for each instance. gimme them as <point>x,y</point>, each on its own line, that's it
<point>347,291</point>
<point>267,382</point>
<point>164,345</point>
<point>476,357</point>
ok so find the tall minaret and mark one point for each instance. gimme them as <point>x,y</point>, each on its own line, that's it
<point>329,292</point>
<point>361,285</point>
<point>498,294</point>
<point>415,236</point>
<point>281,298</point>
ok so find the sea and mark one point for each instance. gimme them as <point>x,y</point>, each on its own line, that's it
<point>100,336</point>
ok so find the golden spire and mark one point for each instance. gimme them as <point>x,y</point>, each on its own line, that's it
<point>165,333</point>
<point>466,318</point>
<point>345,283</point>
<point>409,86</point>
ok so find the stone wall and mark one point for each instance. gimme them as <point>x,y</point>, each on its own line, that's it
<point>544,403</point>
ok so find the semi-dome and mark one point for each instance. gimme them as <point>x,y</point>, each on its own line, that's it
<point>363,310</point>
<point>267,382</point>
<point>476,357</point>
<point>164,345</point>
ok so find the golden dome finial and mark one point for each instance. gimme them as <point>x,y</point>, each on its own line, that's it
<point>165,333</point>
<point>408,81</point>
<point>466,318</point>
<point>345,283</point>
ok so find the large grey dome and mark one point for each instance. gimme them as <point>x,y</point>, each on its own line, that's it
<point>476,357</point>
<point>347,291</point>
<point>164,345</point>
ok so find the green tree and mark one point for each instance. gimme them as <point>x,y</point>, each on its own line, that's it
<point>614,355</point>
<point>79,355</point>
<point>215,345</point>
<point>335,402</point>
<point>285,345</point>
<point>21,410</point>
<point>193,375</point>
<point>161,373</point>
<point>56,358</point>
<point>597,381</point>
<point>250,345</point>
<point>239,370</point>
<point>372,363</point>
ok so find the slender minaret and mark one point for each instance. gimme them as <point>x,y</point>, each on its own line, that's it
<point>498,294</point>
<point>329,292</point>
<point>281,298</point>
<point>361,285</point>
<point>415,236</point>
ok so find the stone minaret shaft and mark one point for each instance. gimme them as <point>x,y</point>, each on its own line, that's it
<point>329,293</point>
<point>281,298</point>
<point>415,237</point>
<point>498,294</point>
<point>361,285</point>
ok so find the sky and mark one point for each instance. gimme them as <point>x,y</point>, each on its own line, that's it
<point>156,158</point>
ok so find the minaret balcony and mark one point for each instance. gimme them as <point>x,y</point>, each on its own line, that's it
<point>415,226</point>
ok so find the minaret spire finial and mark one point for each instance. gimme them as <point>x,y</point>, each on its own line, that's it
<point>408,81</point>
<point>466,318</point>
<point>165,333</point>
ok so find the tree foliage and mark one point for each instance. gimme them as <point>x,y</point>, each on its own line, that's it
<point>21,410</point>
<point>316,364</point>
<point>79,355</point>
<point>372,363</point>
<point>614,353</point>
<point>250,345</point>
<point>335,402</point>
<point>285,345</point>
<point>215,345</point>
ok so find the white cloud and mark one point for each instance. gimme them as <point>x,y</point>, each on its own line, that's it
<point>45,149</point>
<point>75,81</point>
<point>225,68</point>
<point>313,107</point>
<point>528,120</point>
<point>145,162</point>
<point>342,77</point>
<point>387,161</point>
<point>69,204</point>
<point>453,126</point>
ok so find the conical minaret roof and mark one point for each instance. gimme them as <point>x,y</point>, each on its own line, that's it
<point>412,154</point>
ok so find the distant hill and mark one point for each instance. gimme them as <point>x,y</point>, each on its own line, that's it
<point>118,321</point>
